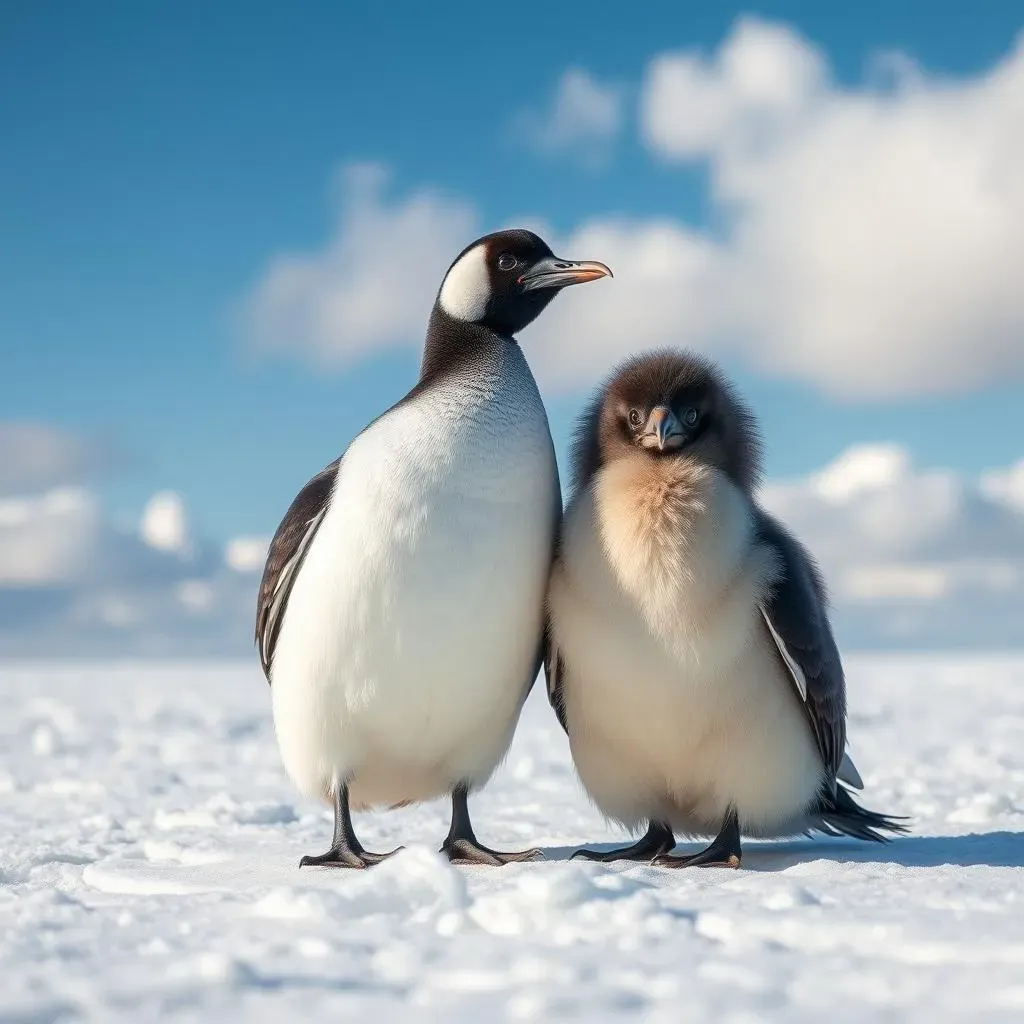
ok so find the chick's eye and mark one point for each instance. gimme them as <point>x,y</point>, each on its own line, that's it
<point>506,261</point>
<point>690,417</point>
<point>635,417</point>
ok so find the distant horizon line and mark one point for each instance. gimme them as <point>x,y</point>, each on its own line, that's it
<point>957,652</point>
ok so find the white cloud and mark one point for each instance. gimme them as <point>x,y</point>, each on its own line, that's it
<point>164,523</point>
<point>48,539</point>
<point>763,77</point>
<point>1006,485</point>
<point>871,583</point>
<point>584,115</point>
<point>196,596</point>
<point>372,286</point>
<point>246,554</point>
<point>861,470</point>
<point>867,239</point>
<point>665,276</point>
<point>911,555</point>
<point>39,456</point>
<point>340,304</point>
<point>874,235</point>
<point>921,557</point>
<point>72,582</point>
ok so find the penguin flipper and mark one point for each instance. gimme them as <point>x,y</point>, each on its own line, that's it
<point>554,666</point>
<point>796,617</point>
<point>554,672</point>
<point>284,559</point>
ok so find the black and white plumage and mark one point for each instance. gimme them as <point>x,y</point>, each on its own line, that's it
<point>691,660</point>
<point>401,612</point>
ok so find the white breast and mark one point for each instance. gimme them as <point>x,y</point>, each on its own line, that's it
<point>676,703</point>
<point>412,631</point>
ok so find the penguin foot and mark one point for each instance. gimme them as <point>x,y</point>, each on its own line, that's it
<point>469,851</point>
<point>657,840</point>
<point>346,851</point>
<point>708,858</point>
<point>724,852</point>
<point>344,857</point>
<point>461,845</point>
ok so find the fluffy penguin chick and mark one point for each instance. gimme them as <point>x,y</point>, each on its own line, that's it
<point>691,659</point>
<point>401,613</point>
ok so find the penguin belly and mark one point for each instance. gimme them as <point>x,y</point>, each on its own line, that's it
<point>411,635</point>
<point>680,719</point>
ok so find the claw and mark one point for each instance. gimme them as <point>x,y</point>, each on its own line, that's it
<point>344,857</point>
<point>461,845</point>
<point>466,851</point>
<point>724,851</point>
<point>658,839</point>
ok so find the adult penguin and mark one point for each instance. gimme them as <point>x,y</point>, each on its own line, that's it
<point>401,612</point>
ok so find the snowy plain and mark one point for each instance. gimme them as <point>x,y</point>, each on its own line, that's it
<point>148,871</point>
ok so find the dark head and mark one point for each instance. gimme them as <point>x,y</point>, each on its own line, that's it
<point>668,405</point>
<point>503,281</point>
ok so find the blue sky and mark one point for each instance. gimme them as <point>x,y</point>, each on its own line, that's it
<point>158,159</point>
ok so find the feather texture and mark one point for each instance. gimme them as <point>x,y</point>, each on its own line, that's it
<point>690,659</point>
<point>412,630</point>
<point>284,559</point>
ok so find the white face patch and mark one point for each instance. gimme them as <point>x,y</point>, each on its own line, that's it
<point>467,286</point>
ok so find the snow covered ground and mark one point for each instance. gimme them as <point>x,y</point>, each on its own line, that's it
<point>150,843</point>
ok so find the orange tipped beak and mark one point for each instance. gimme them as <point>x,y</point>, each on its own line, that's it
<point>552,272</point>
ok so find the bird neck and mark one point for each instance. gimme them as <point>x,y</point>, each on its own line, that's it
<point>451,343</point>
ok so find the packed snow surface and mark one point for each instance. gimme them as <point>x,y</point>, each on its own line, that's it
<point>148,870</point>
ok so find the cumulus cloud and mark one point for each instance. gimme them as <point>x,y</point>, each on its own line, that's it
<point>374,282</point>
<point>764,76</point>
<point>48,539</point>
<point>1006,485</point>
<point>73,582</point>
<point>873,234</point>
<point>912,556</point>
<point>663,293</point>
<point>866,239</point>
<point>584,115</point>
<point>337,305</point>
<point>246,554</point>
<point>164,523</point>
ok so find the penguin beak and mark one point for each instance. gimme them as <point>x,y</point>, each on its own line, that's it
<point>663,430</point>
<point>551,272</point>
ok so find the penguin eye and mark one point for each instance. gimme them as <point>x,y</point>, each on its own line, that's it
<point>635,418</point>
<point>506,261</point>
<point>690,417</point>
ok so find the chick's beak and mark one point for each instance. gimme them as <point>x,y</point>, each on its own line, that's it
<point>663,429</point>
<point>551,272</point>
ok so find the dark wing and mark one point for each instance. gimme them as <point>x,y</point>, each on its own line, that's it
<point>554,667</point>
<point>797,619</point>
<point>287,551</point>
<point>548,654</point>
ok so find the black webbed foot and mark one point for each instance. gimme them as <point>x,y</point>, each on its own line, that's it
<point>341,857</point>
<point>469,851</point>
<point>346,851</point>
<point>724,851</point>
<point>462,847</point>
<point>657,840</point>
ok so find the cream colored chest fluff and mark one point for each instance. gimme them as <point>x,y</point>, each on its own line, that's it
<point>676,702</point>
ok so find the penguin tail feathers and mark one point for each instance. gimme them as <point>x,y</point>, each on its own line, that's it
<point>838,814</point>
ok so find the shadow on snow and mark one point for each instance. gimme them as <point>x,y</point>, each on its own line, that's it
<point>987,849</point>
